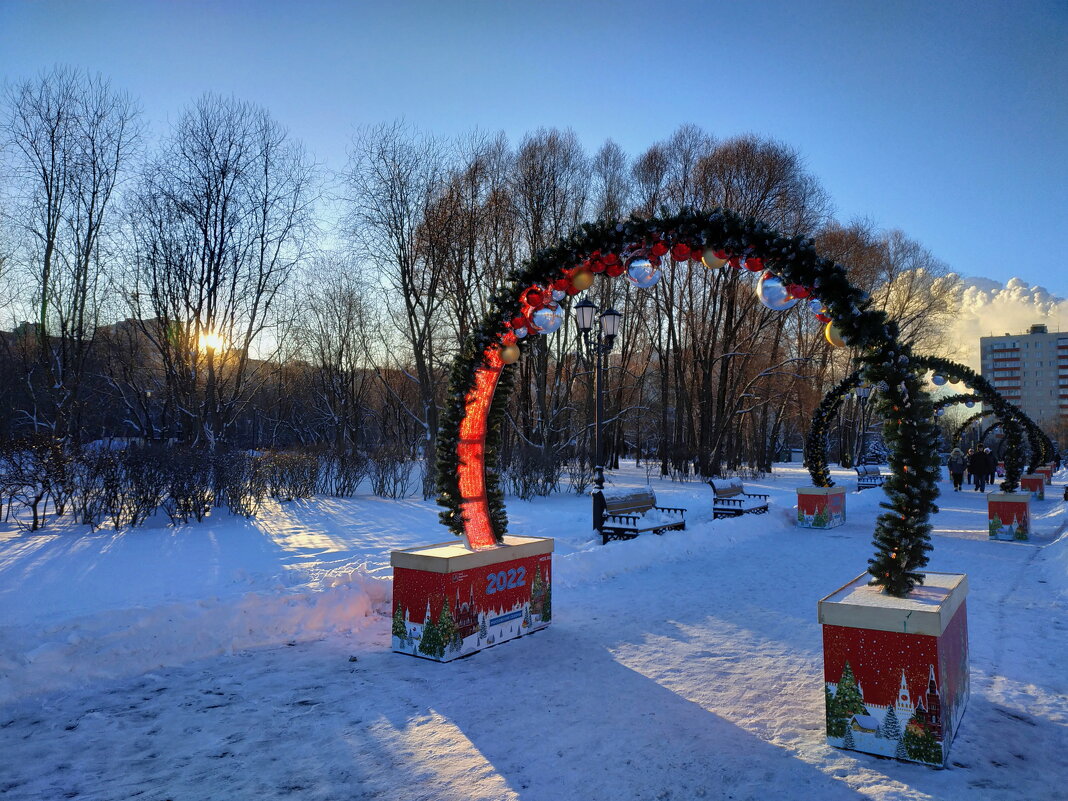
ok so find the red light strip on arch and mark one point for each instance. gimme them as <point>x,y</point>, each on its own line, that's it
<point>471,450</point>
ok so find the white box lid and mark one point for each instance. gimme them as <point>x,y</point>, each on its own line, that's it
<point>448,557</point>
<point>928,609</point>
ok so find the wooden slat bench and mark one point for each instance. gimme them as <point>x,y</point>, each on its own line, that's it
<point>627,516</point>
<point>868,476</point>
<point>731,500</point>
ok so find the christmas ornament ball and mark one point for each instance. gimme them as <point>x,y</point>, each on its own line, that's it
<point>509,354</point>
<point>938,380</point>
<point>581,280</point>
<point>969,404</point>
<point>713,259</point>
<point>833,336</point>
<point>548,318</point>
<point>773,293</point>
<point>641,271</point>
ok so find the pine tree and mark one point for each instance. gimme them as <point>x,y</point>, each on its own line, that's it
<point>483,630</point>
<point>848,699</point>
<point>447,627</point>
<point>399,629</point>
<point>847,741</point>
<point>834,722</point>
<point>891,725</point>
<point>547,607</point>
<point>431,643</point>
<point>920,744</point>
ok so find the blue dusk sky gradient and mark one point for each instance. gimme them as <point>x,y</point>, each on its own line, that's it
<point>948,120</point>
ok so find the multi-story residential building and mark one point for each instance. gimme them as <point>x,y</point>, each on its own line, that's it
<point>1030,370</point>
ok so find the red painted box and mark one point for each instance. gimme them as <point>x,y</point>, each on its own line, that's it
<point>1047,472</point>
<point>1035,483</point>
<point>820,507</point>
<point>896,678</point>
<point>450,601</point>
<point>1009,515</point>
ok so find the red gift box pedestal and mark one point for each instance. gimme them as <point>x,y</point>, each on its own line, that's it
<point>1035,483</point>
<point>1009,515</point>
<point>1046,472</point>
<point>449,601</point>
<point>896,669</point>
<point>820,507</point>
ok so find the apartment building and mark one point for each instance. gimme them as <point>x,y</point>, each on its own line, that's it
<point>1030,370</point>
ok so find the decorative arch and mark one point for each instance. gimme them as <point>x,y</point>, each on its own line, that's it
<point>470,430</point>
<point>1014,421</point>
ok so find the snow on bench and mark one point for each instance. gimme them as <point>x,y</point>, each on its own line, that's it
<point>868,476</point>
<point>731,500</point>
<point>627,516</point>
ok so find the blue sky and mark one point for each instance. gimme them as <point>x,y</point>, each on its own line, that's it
<point>947,120</point>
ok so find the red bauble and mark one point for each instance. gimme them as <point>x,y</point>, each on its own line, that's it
<point>614,270</point>
<point>658,249</point>
<point>823,318</point>
<point>611,259</point>
<point>735,262</point>
<point>596,266</point>
<point>561,284</point>
<point>797,291</point>
<point>754,264</point>
<point>572,290</point>
<point>721,254</point>
<point>533,297</point>
<point>681,252</point>
<point>518,322</point>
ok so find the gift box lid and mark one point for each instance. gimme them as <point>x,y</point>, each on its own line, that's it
<point>928,609</point>
<point>448,557</point>
<point>821,490</point>
<point>1009,497</point>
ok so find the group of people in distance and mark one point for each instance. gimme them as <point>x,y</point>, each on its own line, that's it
<point>979,463</point>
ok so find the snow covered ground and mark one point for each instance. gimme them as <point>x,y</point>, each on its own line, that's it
<point>242,659</point>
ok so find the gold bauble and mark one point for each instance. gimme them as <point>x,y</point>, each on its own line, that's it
<point>710,260</point>
<point>833,336</point>
<point>581,280</point>
<point>509,354</point>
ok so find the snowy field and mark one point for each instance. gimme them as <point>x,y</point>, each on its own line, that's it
<point>242,659</point>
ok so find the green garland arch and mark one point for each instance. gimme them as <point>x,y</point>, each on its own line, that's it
<point>1015,421</point>
<point>902,531</point>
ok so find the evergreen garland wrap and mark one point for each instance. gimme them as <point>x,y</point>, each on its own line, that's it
<point>1014,421</point>
<point>902,532</point>
<point>816,441</point>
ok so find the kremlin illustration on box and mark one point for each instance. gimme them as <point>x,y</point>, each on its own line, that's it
<point>482,607</point>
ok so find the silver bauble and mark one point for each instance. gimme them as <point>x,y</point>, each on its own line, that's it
<point>815,305</point>
<point>969,404</point>
<point>641,271</point>
<point>559,294</point>
<point>520,332</point>
<point>773,293</point>
<point>548,318</point>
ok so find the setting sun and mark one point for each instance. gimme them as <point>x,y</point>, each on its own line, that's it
<point>211,342</point>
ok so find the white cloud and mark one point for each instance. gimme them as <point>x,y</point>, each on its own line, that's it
<point>988,308</point>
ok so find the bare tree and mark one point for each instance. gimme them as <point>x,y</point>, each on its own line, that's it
<point>69,136</point>
<point>221,219</point>
<point>394,181</point>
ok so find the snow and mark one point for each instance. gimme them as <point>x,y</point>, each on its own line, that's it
<point>237,659</point>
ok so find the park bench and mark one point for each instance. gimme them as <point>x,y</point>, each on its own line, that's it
<point>868,476</point>
<point>627,516</point>
<point>731,500</point>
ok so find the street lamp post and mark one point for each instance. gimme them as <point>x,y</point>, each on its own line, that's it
<point>600,344</point>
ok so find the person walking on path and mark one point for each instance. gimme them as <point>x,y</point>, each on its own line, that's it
<point>977,468</point>
<point>991,467</point>
<point>956,467</point>
<point>968,468</point>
